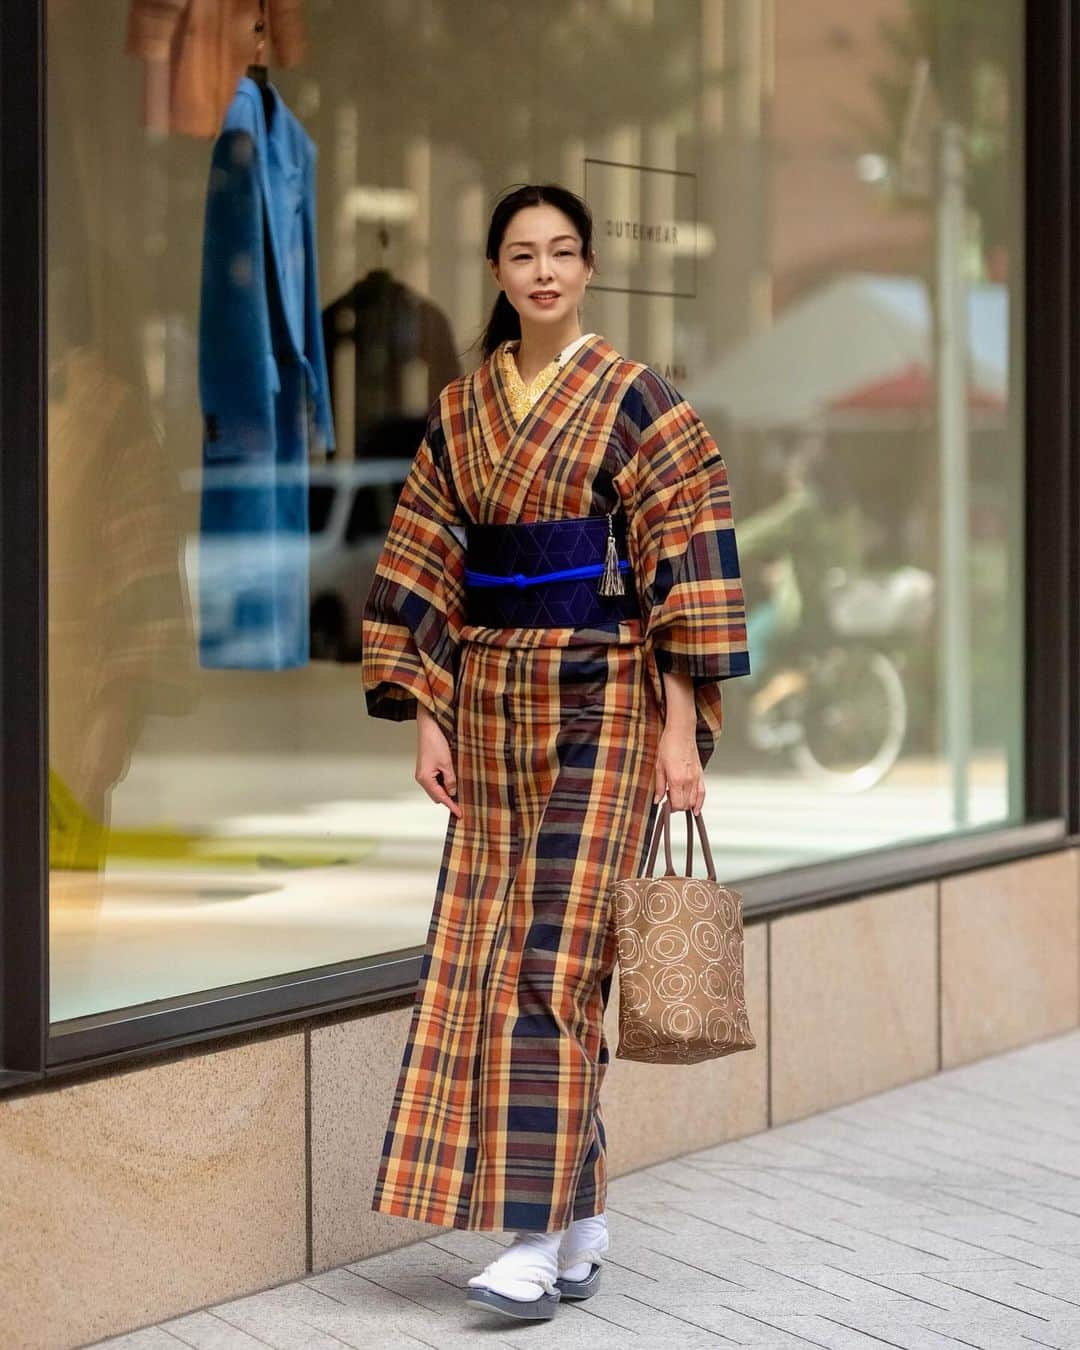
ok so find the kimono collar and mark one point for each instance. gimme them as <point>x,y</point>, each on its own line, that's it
<point>505,456</point>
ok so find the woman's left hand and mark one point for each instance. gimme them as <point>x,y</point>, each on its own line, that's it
<point>678,765</point>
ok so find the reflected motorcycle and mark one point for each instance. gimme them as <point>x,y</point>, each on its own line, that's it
<point>834,701</point>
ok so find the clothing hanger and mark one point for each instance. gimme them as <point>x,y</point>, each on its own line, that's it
<point>380,276</point>
<point>257,71</point>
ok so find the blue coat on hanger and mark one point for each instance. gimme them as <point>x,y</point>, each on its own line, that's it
<point>263,388</point>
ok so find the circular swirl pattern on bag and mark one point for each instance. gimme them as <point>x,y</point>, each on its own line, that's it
<point>716,983</point>
<point>719,1024</point>
<point>630,948</point>
<point>667,943</point>
<point>640,1039</point>
<point>699,899</point>
<point>681,1022</point>
<point>674,983</point>
<point>626,902</point>
<point>635,992</point>
<point>707,939</point>
<point>660,903</point>
<point>733,948</point>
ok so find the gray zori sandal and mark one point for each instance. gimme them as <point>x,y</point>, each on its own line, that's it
<point>538,1309</point>
<point>579,1289</point>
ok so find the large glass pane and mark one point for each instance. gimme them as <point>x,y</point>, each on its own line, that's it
<point>807,217</point>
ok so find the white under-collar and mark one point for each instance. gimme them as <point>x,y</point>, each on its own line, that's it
<point>566,353</point>
<point>571,347</point>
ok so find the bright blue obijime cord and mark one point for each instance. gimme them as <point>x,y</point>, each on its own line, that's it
<point>520,578</point>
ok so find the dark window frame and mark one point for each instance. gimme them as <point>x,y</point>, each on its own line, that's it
<point>32,1051</point>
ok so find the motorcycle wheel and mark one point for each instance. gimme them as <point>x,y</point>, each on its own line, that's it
<point>854,719</point>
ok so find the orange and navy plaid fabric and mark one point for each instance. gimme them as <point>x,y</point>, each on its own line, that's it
<point>496,1121</point>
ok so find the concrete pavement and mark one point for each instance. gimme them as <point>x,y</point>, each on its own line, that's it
<point>943,1213</point>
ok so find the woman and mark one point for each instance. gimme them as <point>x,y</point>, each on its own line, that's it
<point>554,711</point>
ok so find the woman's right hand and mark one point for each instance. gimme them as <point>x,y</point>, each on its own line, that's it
<point>433,759</point>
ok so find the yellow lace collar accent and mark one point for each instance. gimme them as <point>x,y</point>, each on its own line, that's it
<point>522,396</point>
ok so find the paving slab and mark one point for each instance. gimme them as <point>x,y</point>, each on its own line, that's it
<point>944,1213</point>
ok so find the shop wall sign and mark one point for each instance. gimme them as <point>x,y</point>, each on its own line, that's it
<point>644,228</point>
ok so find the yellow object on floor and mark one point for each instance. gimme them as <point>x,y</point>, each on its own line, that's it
<point>78,842</point>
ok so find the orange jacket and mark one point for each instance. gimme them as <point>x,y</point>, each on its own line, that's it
<point>195,52</point>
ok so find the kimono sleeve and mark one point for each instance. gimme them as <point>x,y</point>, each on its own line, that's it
<point>683,536</point>
<point>414,611</point>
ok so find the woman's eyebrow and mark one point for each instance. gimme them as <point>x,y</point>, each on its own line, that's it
<point>517,243</point>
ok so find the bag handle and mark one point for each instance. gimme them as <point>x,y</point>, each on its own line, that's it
<point>663,823</point>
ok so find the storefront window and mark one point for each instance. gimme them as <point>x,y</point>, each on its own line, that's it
<point>803,220</point>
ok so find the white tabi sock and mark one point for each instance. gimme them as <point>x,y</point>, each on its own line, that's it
<point>582,1237</point>
<point>525,1270</point>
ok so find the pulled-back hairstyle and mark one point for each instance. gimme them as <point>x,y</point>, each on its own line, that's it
<point>504,321</point>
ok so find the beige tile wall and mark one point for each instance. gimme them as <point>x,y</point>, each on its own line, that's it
<point>141,1195</point>
<point>854,1000</point>
<point>135,1197</point>
<point>1009,942</point>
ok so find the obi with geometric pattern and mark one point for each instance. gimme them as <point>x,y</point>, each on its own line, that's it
<point>545,573</point>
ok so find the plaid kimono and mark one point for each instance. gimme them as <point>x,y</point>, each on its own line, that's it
<point>496,1121</point>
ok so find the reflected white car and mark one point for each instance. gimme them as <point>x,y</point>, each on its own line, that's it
<point>349,509</point>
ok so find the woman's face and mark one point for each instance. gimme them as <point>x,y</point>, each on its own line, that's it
<point>541,252</point>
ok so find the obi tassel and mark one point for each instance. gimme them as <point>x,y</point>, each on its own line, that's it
<point>611,582</point>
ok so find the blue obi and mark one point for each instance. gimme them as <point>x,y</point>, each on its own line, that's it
<point>544,574</point>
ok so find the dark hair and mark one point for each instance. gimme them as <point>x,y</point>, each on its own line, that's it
<point>504,321</point>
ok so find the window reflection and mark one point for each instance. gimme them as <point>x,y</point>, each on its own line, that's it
<point>803,220</point>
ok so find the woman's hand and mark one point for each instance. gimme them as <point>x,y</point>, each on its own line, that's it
<point>433,759</point>
<point>678,764</point>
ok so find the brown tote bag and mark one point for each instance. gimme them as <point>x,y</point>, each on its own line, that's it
<point>680,953</point>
